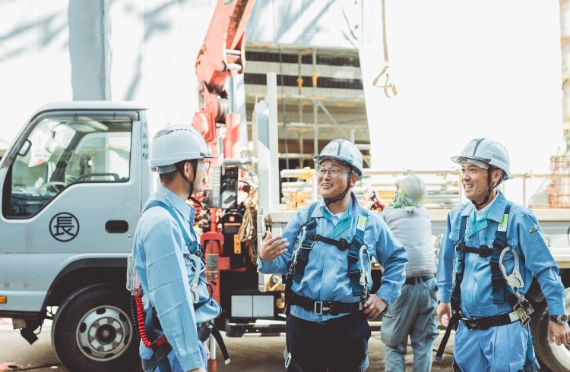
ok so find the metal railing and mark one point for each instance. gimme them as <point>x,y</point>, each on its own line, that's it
<point>445,189</point>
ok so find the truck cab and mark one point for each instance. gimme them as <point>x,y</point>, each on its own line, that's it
<point>72,185</point>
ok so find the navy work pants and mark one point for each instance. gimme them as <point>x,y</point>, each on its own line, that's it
<point>340,344</point>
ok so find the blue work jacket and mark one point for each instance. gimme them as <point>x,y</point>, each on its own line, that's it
<point>523,234</point>
<point>165,271</point>
<point>326,274</point>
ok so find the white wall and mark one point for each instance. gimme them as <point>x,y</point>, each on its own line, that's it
<point>34,60</point>
<point>464,70</point>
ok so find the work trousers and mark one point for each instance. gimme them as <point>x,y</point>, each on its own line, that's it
<point>413,314</point>
<point>498,349</point>
<point>340,344</point>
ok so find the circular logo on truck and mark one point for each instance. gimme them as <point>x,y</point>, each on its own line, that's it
<point>64,227</point>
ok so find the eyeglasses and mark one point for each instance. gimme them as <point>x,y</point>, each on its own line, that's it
<point>333,172</point>
<point>206,165</point>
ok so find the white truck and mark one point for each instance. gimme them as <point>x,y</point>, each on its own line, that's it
<point>73,183</point>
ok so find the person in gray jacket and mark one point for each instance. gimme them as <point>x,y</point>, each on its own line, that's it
<point>414,312</point>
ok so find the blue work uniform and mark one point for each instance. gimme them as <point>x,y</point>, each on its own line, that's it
<point>165,270</point>
<point>499,348</point>
<point>326,273</point>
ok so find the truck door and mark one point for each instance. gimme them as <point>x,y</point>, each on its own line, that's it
<point>70,190</point>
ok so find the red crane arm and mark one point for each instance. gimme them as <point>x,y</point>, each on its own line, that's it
<point>221,55</point>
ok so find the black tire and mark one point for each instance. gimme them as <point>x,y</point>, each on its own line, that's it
<point>92,331</point>
<point>552,356</point>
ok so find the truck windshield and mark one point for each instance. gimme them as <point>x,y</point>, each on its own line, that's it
<point>66,150</point>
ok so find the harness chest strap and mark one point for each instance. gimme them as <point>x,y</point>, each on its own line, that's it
<point>499,244</point>
<point>303,248</point>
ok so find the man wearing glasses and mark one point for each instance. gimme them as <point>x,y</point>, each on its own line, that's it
<point>168,258</point>
<point>325,250</point>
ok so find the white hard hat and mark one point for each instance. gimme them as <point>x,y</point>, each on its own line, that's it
<point>412,191</point>
<point>176,143</point>
<point>344,151</point>
<point>488,151</point>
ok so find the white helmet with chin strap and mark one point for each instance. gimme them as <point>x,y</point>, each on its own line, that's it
<point>488,154</point>
<point>174,144</point>
<point>412,191</point>
<point>345,152</point>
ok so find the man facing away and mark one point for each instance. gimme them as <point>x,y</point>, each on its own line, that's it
<point>414,312</point>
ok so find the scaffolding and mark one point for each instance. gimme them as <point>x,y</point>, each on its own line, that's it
<point>559,192</point>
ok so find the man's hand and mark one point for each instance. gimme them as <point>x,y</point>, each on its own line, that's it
<point>374,306</point>
<point>443,313</point>
<point>559,333</point>
<point>271,248</point>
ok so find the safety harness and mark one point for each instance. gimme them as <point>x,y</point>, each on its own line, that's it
<point>501,294</point>
<point>359,272</point>
<point>358,266</point>
<point>148,322</point>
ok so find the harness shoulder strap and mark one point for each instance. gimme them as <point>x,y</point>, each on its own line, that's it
<point>354,253</point>
<point>459,245</point>
<point>500,243</point>
<point>462,228</point>
<point>158,203</point>
<point>303,256</point>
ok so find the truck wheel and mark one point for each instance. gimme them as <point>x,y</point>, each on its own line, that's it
<point>556,358</point>
<point>92,331</point>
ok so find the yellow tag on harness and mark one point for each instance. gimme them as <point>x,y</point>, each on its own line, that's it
<point>504,222</point>
<point>361,225</point>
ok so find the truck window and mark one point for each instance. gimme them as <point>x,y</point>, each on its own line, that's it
<point>63,151</point>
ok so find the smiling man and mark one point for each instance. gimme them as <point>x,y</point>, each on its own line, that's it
<point>484,240</point>
<point>326,250</point>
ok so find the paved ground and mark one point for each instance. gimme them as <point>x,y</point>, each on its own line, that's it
<point>251,353</point>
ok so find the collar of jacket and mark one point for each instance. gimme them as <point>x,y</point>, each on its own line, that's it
<point>495,212</point>
<point>185,209</point>
<point>353,207</point>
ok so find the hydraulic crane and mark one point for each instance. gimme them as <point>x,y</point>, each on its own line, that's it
<point>220,58</point>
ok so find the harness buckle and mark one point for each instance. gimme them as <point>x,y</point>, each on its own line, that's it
<point>321,307</point>
<point>485,251</point>
<point>461,248</point>
<point>471,324</point>
<point>343,244</point>
<point>199,251</point>
<point>288,360</point>
<point>311,225</point>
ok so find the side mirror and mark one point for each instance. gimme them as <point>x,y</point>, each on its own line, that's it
<point>26,146</point>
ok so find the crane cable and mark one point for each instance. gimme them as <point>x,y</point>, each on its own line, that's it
<point>387,83</point>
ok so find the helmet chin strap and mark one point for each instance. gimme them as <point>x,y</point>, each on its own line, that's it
<point>191,183</point>
<point>490,189</point>
<point>343,195</point>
